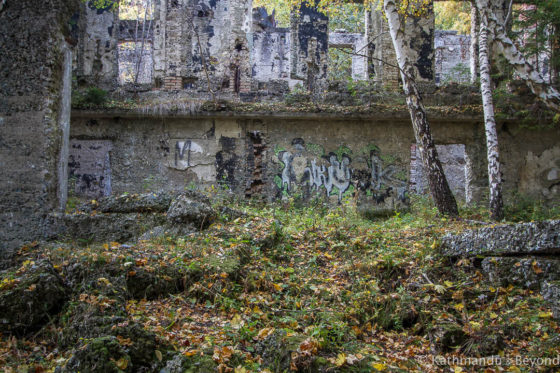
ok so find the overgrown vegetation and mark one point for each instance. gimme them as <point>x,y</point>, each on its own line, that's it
<point>282,288</point>
<point>91,97</point>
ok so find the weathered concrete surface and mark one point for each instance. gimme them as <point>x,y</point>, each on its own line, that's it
<point>101,227</point>
<point>270,50</point>
<point>516,239</point>
<point>89,167</point>
<point>528,272</point>
<point>97,50</point>
<point>550,291</point>
<point>249,151</point>
<point>540,174</point>
<point>191,208</point>
<point>454,162</point>
<point>31,67</point>
<point>452,56</point>
<point>195,38</point>
<point>309,49</point>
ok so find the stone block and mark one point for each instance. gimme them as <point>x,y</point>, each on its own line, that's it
<point>511,239</point>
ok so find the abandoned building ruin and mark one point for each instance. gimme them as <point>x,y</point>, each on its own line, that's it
<point>195,49</point>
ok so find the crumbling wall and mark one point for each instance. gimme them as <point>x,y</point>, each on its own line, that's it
<point>32,68</point>
<point>454,162</point>
<point>309,48</point>
<point>97,54</point>
<point>367,161</point>
<point>202,45</point>
<point>270,52</point>
<point>419,31</point>
<point>451,57</point>
<point>89,166</point>
<point>381,50</point>
<point>356,42</point>
<point>130,45</point>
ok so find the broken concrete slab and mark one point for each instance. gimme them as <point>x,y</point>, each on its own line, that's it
<point>106,227</point>
<point>528,272</point>
<point>505,240</point>
<point>191,208</point>
<point>125,203</point>
<point>550,291</point>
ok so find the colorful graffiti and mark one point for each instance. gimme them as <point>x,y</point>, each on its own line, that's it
<point>333,174</point>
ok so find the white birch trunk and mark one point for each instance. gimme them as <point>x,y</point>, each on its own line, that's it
<point>494,173</point>
<point>474,43</point>
<point>504,45</point>
<point>439,188</point>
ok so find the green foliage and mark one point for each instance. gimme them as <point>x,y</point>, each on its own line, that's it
<point>282,286</point>
<point>340,64</point>
<point>538,25</point>
<point>103,4</point>
<point>298,95</point>
<point>453,15</point>
<point>91,97</point>
<point>458,73</point>
<point>525,208</point>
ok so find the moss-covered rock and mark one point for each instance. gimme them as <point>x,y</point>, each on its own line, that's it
<point>191,364</point>
<point>528,272</point>
<point>276,350</point>
<point>142,284</point>
<point>445,337</point>
<point>100,355</point>
<point>30,296</point>
<point>147,202</point>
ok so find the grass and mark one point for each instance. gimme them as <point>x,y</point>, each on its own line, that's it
<point>317,289</point>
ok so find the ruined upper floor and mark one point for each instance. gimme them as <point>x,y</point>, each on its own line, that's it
<point>228,48</point>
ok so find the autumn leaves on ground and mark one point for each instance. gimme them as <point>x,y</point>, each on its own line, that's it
<point>274,289</point>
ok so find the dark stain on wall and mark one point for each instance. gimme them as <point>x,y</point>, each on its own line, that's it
<point>226,163</point>
<point>255,164</point>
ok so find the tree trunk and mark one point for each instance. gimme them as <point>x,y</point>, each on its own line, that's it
<point>531,76</point>
<point>494,173</point>
<point>474,43</point>
<point>439,188</point>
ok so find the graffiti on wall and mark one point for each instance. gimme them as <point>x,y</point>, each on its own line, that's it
<point>336,174</point>
<point>183,153</point>
<point>386,177</point>
<point>307,167</point>
<point>89,167</point>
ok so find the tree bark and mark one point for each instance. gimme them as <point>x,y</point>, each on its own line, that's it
<point>503,44</point>
<point>494,173</point>
<point>439,188</point>
<point>474,44</point>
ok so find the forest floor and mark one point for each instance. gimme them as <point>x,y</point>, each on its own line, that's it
<point>285,288</point>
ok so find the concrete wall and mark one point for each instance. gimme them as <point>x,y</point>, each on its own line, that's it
<point>356,42</point>
<point>452,57</point>
<point>368,161</point>
<point>97,50</point>
<point>309,49</point>
<point>193,37</point>
<point>419,31</point>
<point>32,124</point>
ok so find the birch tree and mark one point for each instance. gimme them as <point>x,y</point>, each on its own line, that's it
<point>494,172</point>
<point>439,188</point>
<point>474,44</point>
<point>504,45</point>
